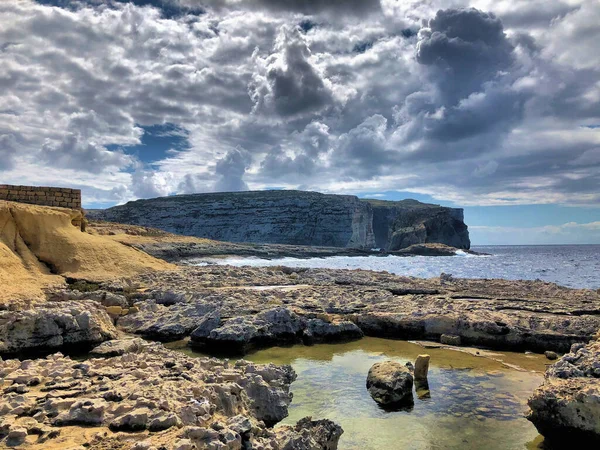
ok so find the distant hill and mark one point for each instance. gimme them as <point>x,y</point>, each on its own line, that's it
<point>297,218</point>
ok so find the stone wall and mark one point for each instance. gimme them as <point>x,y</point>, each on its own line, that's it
<point>41,195</point>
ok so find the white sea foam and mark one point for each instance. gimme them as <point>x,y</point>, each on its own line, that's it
<point>573,266</point>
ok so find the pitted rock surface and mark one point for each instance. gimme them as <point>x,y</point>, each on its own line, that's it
<point>566,407</point>
<point>235,305</point>
<point>154,391</point>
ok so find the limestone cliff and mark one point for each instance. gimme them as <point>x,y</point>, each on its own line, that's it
<point>404,223</point>
<point>282,217</point>
<point>296,218</point>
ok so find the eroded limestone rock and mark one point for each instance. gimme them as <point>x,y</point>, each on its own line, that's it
<point>52,325</point>
<point>154,392</point>
<point>566,407</point>
<point>390,383</point>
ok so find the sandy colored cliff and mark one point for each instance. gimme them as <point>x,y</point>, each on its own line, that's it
<point>39,246</point>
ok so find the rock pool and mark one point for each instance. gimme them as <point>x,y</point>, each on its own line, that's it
<point>474,401</point>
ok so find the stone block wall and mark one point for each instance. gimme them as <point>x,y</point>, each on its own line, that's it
<point>41,195</point>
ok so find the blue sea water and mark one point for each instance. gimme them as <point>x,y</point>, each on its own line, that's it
<point>576,266</point>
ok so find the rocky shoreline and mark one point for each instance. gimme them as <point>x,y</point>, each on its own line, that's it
<point>231,310</point>
<point>566,407</point>
<point>91,290</point>
<point>188,249</point>
<point>149,396</point>
<point>224,306</point>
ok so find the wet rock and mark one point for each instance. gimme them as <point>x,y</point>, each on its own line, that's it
<point>390,383</point>
<point>449,339</point>
<point>318,330</point>
<point>117,347</point>
<point>274,326</point>
<point>421,367</point>
<point>551,355</point>
<point>566,407</point>
<point>310,434</point>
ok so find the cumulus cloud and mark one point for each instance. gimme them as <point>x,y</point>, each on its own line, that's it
<point>471,101</point>
<point>286,82</point>
<point>231,169</point>
<point>8,150</point>
<point>567,233</point>
<point>467,47</point>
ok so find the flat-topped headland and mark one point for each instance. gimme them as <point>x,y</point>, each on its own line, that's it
<point>64,289</point>
<point>297,218</point>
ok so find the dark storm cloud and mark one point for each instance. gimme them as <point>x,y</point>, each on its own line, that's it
<point>345,7</point>
<point>471,106</point>
<point>467,47</point>
<point>290,84</point>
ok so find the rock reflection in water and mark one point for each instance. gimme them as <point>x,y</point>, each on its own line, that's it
<point>468,402</point>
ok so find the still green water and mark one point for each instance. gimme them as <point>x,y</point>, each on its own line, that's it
<point>474,403</point>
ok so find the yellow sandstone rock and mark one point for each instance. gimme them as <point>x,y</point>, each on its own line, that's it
<point>37,243</point>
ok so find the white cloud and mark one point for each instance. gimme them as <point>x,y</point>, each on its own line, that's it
<point>355,101</point>
<point>567,233</point>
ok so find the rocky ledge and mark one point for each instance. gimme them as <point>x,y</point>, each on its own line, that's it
<point>243,308</point>
<point>566,407</point>
<point>169,400</point>
<point>54,325</point>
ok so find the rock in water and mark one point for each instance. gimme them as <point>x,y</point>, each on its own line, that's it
<point>296,218</point>
<point>551,355</point>
<point>310,434</point>
<point>566,407</point>
<point>422,367</point>
<point>390,383</point>
<point>450,339</point>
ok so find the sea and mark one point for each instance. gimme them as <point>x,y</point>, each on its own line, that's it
<point>575,266</point>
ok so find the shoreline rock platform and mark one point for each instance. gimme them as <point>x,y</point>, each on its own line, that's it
<point>220,305</point>
<point>150,395</point>
<point>64,289</point>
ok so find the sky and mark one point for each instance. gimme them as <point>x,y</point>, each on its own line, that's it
<point>488,105</point>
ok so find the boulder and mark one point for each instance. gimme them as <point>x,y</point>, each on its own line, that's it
<point>390,383</point>
<point>318,330</point>
<point>566,407</point>
<point>53,325</point>
<point>117,347</point>
<point>450,339</point>
<point>238,335</point>
<point>309,434</point>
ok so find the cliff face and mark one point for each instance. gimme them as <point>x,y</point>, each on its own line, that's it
<point>401,224</point>
<point>296,218</point>
<point>277,217</point>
